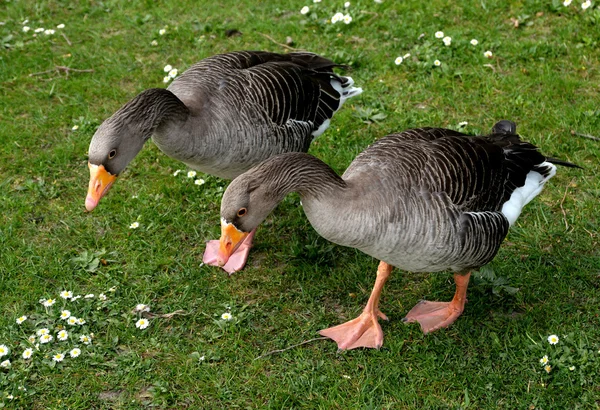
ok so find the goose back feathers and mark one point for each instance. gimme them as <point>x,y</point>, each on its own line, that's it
<point>228,112</point>
<point>426,199</point>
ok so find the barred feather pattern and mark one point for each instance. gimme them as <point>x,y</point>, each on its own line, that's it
<point>248,106</point>
<point>426,199</point>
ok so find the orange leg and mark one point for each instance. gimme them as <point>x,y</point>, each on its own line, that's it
<point>436,315</point>
<point>364,331</point>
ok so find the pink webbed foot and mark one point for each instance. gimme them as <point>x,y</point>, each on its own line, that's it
<point>436,315</point>
<point>364,331</point>
<point>236,261</point>
<point>433,315</point>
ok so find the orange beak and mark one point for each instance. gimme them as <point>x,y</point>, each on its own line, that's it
<point>100,181</point>
<point>231,239</point>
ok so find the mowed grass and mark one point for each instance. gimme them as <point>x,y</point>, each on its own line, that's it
<point>544,75</point>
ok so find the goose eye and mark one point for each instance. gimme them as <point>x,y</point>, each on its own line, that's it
<point>242,212</point>
<point>112,154</point>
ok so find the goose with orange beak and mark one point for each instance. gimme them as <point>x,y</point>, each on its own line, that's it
<point>423,200</point>
<point>222,116</point>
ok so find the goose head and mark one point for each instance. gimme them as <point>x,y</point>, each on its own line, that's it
<point>114,145</point>
<point>121,137</point>
<point>246,204</point>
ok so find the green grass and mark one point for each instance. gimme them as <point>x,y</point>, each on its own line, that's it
<point>544,75</point>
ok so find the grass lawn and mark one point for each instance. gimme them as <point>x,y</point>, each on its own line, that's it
<point>544,74</point>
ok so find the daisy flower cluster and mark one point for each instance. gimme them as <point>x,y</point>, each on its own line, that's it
<point>430,54</point>
<point>191,174</point>
<point>337,17</point>
<point>142,322</point>
<point>40,30</point>
<point>171,73</point>
<point>60,332</point>
<point>566,353</point>
<point>584,6</point>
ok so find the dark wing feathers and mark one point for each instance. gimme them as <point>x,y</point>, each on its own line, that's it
<point>477,173</point>
<point>292,87</point>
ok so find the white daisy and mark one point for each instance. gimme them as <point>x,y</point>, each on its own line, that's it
<point>463,124</point>
<point>49,302</point>
<point>547,368</point>
<point>553,339</point>
<point>176,172</point>
<point>72,320</point>
<point>304,10</point>
<point>5,364</point>
<point>226,316</point>
<point>81,321</point>
<point>58,357</point>
<point>406,56</point>
<point>4,350</point>
<point>173,73</point>
<point>544,360</point>
<point>168,68</point>
<point>102,296</point>
<point>488,54</point>
<point>65,314</point>
<point>49,32</point>
<point>76,297</point>
<point>571,368</point>
<point>347,4</point>
<point>567,3</point>
<point>316,1</point>
<point>154,43</point>
<point>162,31</point>
<point>89,296</point>
<point>75,127</point>
<point>166,79</point>
<point>26,29</point>
<point>60,26</point>
<point>75,352</point>
<point>447,40</point>
<point>439,34</point>
<point>46,339</point>
<point>398,60</point>
<point>134,225</point>
<point>140,307</point>
<point>27,353</point>
<point>437,63</point>
<point>39,30</point>
<point>66,294</point>
<point>586,4</point>
<point>474,42</point>
<point>42,332</point>
<point>31,339</point>
<point>142,323</point>
<point>86,340</point>
<point>191,174</point>
<point>337,17</point>
<point>347,19</point>
<point>21,319</point>
<point>199,181</point>
<point>62,335</point>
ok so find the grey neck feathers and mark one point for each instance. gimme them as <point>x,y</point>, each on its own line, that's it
<point>297,172</point>
<point>152,108</point>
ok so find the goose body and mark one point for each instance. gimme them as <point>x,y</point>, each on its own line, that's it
<point>223,115</point>
<point>427,199</point>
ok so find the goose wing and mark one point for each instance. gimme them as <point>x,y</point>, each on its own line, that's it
<point>288,95</point>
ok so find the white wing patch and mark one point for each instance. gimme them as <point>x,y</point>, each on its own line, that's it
<point>523,195</point>
<point>321,129</point>
<point>346,91</point>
